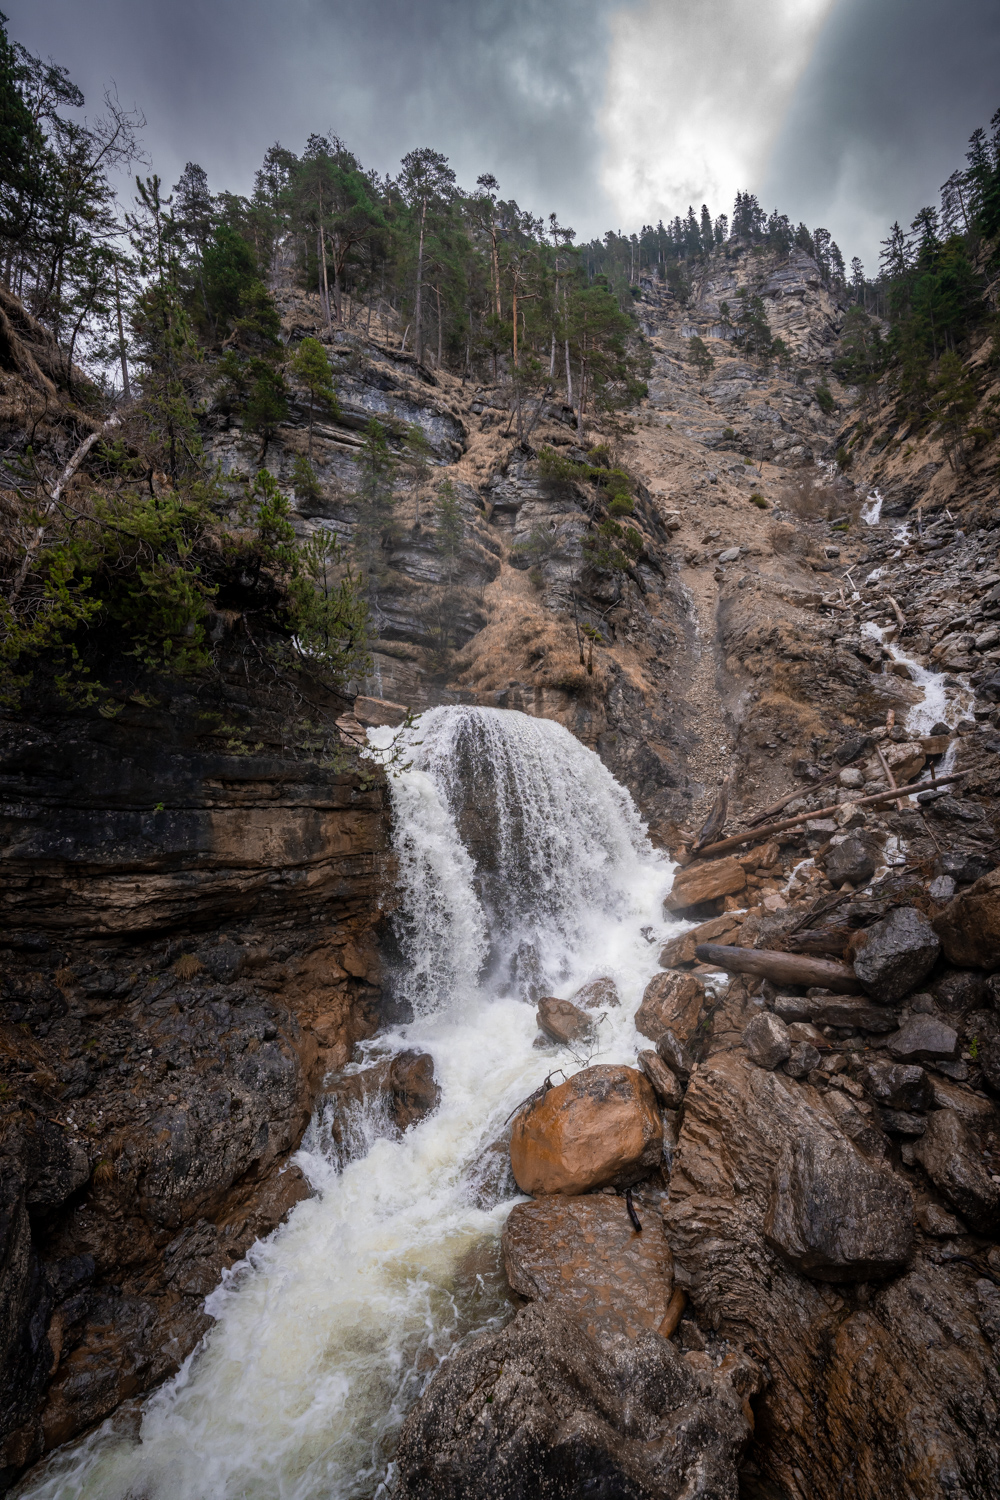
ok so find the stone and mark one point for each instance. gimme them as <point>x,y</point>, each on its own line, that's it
<point>583,1257</point>
<point>901,1122</point>
<point>676,1056</point>
<point>988,1299</point>
<point>601,1127</point>
<point>838,1010</point>
<point>705,880</point>
<point>540,1408</point>
<point>851,777</point>
<point>679,951</point>
<point>897,1085</point>
<point>801,1060</point>
<point>562,1021</point>
<point>969,926</point>
<point>666,1085</point>
<point>950,1156</point>
<point>598,994</point>
<point>904,759</point>
<point>941,889</point>
<point>404,1084</point>
<point>973,1109</point>
<point>923,1039</point>
<point>836,1216</point>
<point>853,859</point>
<point>893,955</point>
<point>671,1002</point>
<point>766,1040</point>
<point>937,1221</point>
<point>960,991</point>
<point>730,555</point>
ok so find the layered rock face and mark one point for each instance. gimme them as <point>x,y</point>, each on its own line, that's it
<point>187,950</point>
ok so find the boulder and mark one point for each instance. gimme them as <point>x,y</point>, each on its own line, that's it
<point>562,1021</point>
<point>904,759</point>
<point>538,1408</point>
<point>923,1039</point>
<point>601,1127</point>
<point>599,994</point>
<point>854,859</point>
<point>766,1040</point>
<point>982,1028</point>
<point>897,1085</point>
<point>679,951</point>
<point>949,1154</point>
<point>969,926</point>
<point>901,1122</point>
<point>802,1059</point>
<point>960,990</point>
<point>671,1002</point>
<point>705,880</point>
<point>836,1216</point>
<point>404,1085</point>
<point>845,1010</point>
<point>894,954</point>
<point>666,1085</point>
<point>936,1221</point>
<point>675,1055</point>
<point>583,1257</point>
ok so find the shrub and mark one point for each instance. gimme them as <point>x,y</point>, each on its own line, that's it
<point>824,398</point>
<point>758,499</point>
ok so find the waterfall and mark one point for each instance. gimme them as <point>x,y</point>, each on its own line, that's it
<point>523,866</point>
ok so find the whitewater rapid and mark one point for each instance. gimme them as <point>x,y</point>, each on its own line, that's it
<point>524,868</point>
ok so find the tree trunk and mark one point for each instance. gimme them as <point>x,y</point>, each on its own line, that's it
<point>569,377</point>
<point>326,284</point>
<point>126,389</point>
<point>440,346</point>
<point>781,968</point>
<point>418,332</point>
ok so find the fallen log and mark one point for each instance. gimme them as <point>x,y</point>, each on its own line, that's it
<point>781,968</point>
<point>753,834</point>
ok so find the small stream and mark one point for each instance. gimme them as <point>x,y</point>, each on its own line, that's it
<point>524,869</point>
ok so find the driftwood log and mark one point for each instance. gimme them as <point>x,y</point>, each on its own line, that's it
<point>766,832</point>
<point>781,968</point>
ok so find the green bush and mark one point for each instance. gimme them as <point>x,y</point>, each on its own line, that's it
<point>824,398</point>
<point>757,499</point>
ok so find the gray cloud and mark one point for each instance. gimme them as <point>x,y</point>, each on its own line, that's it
<point>508,86</point>
<point>882,115</point>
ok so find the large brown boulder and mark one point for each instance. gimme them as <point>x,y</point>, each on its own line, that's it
<point>601,1127</point>
<point>671,1002</point>
<point>582,1256</point>
<point>705,881</point>
<point>969,926</point>
<point>403,1087</point>
<point>561,1020</point>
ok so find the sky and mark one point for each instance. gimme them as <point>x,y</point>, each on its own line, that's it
<point>844,113</point>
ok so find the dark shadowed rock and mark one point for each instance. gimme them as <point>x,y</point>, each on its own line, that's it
<point>853,860</point>
<point>901,1122</point>
<point>969,926</point>
<point>541,1409</point>
<point>676,1056</point>
<point>666,1085</point>
<point>766,1040</point>
<point>959,990</point>
<point>897,1085</point>
<point>835,1215</point>
<point>949,1154</point>
<point>923,1039</point>
<point>802,1059</point>
<point>561,1020</point>
<point>893,955</point>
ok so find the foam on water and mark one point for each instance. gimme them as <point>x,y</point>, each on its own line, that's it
<point>326,1333</point>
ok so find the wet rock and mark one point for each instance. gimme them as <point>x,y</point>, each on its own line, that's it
<point>766,1040</point>
<point>671,1002</point>
<point>901,1122</point>
<point>705,880</point>
<point>666,1085</point>
<point>897,1085</point>
<point>835,1215</point>
<point>894,954</point>
<point>988,1298</point>
<point>562,1021</point>
<point>679,951</point>
<point>950,1156</point>
<point>923,1039</point>
<point>601,1127</point>
<point>982,1028</point>
<point>852,860</point>
<point>969,926</point>
<point>935,1220</point>
<point>599,994</point>
<point>941,889</point>
<point>959,991</point>
<point>802,1059</point>
<point>837,1010</point>
<point>403,1086</point>
<point>675,1055</point>
<point>542,1409</point>
<point>583,1257</point>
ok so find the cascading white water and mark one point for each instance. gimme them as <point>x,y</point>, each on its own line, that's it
<point>325,1335</point>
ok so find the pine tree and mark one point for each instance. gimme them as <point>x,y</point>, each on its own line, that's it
<point>310,365</point>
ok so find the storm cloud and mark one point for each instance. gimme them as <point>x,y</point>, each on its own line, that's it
<point>847,113</point>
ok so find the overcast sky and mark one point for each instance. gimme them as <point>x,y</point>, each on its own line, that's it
<point>847,113</point>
